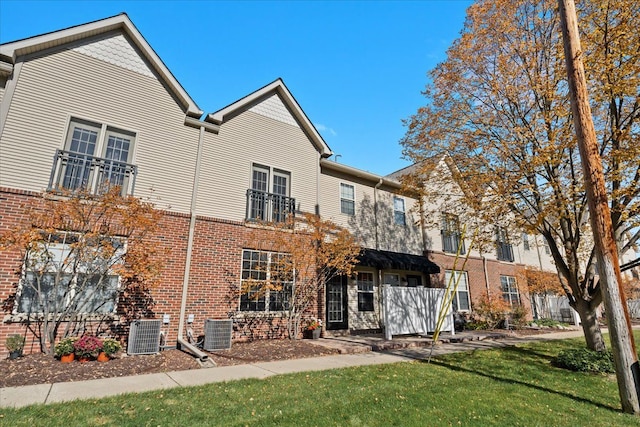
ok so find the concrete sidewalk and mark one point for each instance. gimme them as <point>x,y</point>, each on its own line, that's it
<point>61,392</point>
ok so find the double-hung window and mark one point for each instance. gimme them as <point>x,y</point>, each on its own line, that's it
<point>460,300</point>
<point>347,199</point>
<point>365,291</point>
<point>96,156</point>
<point>525,242</point>
<point>63,275</point>
<point>510,290</point>
<point>399,216</point>
<point>268,198</point>
<point>503,247</point>
<point>266,281</point>
<point>451,235</point>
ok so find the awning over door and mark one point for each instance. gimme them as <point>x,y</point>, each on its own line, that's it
<point>385,260</point>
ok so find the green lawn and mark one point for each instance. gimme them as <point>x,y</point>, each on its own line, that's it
<point>506,387</point>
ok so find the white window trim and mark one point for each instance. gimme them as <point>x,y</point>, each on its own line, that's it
<point>266,295</point>
<point>105,127</point>
<point>16,313</point>
<point>464,274</point>
<point>403,211</point>
<point>350,200</point>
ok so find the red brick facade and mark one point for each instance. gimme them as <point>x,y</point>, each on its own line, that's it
<point>213,282</point>
<point>478,271</point>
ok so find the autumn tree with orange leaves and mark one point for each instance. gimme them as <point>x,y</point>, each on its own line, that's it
<point>498,108</point>
<point>304,254</point>
<point>81,255</point>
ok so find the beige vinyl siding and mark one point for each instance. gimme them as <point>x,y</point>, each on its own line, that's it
<point>330,202</point>
<point>247,139</point>
<point>53,88</point>
<point>398,238</point>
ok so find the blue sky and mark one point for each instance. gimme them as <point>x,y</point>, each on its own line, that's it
<point>356,68</point>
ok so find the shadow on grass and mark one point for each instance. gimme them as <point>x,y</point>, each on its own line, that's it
<point>506,380</point>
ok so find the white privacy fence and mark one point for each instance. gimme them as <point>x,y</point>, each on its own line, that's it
<point>557,308</point>
<point>554,307</point>
<point>413,310</point>
<point>634,308</point>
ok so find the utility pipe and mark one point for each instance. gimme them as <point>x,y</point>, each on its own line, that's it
<point>375,211</point>
<point>187,265</point>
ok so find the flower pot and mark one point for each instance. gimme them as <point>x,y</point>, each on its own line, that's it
<point>84,359</point>
<point>15,354</point>
<point>313,334</point>
<point>103,357</point>
<point>67,358</point>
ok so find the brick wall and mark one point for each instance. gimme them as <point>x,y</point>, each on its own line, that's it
<point>214,275</point>
<point>475,269</point>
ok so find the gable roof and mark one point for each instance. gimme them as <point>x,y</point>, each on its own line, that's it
<point>275,87</point>
<point>12,50</point>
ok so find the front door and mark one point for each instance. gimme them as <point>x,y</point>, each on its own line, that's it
<point>337,303</point>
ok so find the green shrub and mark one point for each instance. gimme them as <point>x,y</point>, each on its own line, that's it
<point>15,342</point>
<point>585,360</point>
<point>518,317</point>
<point>65,346</point>
<point>548,322</point>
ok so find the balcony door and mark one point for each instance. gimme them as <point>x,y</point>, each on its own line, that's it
<point>269,199</point>
<point>96,156</point>
<point>81,145</point>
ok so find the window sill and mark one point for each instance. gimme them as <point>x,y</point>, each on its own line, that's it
<point>240,315</point>
<point>23,317</point>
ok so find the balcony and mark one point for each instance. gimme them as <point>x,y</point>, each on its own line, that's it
<point>269,207</point>
<point>82,172</point>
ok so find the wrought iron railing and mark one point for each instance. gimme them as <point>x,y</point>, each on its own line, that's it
<point>269,207</point>
<point>82,172</point>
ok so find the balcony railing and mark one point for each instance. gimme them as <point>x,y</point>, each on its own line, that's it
<point>263,206</point>
<point>82,172</point>
<point>504,251</point>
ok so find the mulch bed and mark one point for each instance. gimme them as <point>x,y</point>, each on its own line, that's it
<point>39,368</point>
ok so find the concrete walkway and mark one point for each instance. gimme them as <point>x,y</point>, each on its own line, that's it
<point>358,351</point>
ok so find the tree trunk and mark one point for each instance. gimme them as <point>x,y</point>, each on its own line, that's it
<point>590,326</point>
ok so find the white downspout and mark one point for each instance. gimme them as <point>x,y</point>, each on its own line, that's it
<point>187,266</point>
<point>375,211</point>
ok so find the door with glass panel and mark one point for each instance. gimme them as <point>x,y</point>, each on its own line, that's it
<point>259,187</point>
<point>337,303</point>
<point>81,147</point>
<point>280,195</point>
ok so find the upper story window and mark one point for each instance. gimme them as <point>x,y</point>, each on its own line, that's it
<point>96,156</point>
<point>62,276</point>
<point>399,216</point>
<point>268,198</point>
<point>347,199</point>
<point>525,242</point>
<point>547,248</point>
<point>266,281</point>
<point>451,235</point>
<point>503,247</point>
<point>510,290</point>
